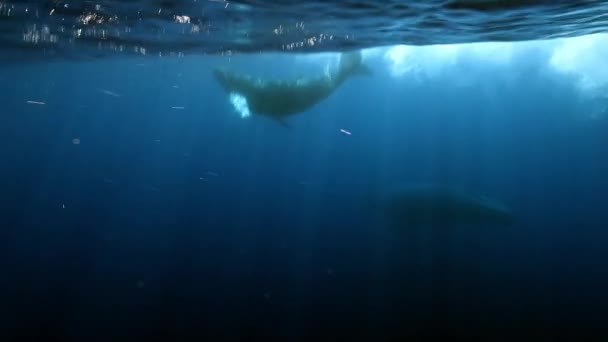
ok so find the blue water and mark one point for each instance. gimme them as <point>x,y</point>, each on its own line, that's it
<point>192,223</point>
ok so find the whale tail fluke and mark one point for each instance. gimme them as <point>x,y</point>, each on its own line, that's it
<point>351,64</point>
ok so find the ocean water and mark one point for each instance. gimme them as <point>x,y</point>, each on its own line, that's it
<point>76,30</point>
<point>138,202</point>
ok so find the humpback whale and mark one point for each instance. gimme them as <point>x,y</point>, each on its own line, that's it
<point>279,99</point>
<point>416,205</point>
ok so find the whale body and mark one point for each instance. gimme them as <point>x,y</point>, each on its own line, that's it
<point>281,98</point>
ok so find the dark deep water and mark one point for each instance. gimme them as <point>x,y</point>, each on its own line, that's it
<point>194,224</point>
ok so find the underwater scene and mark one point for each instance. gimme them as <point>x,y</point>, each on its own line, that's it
<point>216,170</point>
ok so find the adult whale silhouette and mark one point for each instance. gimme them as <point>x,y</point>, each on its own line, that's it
<point>429,204</point>
<point>279,99</point>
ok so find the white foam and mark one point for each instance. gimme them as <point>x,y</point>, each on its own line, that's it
<point>585,59</point>
<point>581,60</point>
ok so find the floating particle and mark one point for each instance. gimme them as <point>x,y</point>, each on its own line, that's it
<point>76,141</point>
<point>141,284</point>
<point>345,131</point>
<point>63,206</point>
<point>36,102</point>
<point>212,174</point>
<point>175,86</point>
<point>108,92</point>
<point>177,107</point>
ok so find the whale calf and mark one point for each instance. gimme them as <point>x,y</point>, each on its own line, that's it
<point>438,205</point>
<point>279,99</point>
